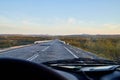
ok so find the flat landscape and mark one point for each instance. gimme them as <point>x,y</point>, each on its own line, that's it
<point>60,47</point>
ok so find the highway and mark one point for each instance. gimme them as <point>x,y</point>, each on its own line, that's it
<point>47,51</point>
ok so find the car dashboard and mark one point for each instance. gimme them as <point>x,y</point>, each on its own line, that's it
<point>86,69</point>
<point>74,69</point>
<point>98,75</point>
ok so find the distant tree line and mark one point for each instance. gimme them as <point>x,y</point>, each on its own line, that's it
<point>105,47</point>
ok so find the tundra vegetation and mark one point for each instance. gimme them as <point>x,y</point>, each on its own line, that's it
<point>104,46</point>
<point>16,40</point>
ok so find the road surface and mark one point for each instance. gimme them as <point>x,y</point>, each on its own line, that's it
<point>47,51</point>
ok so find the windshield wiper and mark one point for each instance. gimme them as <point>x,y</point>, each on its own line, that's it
<point>100,68</point>
<point>87,68</point>
<point>81,62</point>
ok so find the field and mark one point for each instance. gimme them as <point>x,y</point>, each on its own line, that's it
<point>105,46</point>
<point>16,40</point>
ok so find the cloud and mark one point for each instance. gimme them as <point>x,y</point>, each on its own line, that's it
<point>71,21</point>
<point>79,21</point>
<point>29,23</point>
<point>26,22</point>
<point>112,26</point>
<point>55,25</point>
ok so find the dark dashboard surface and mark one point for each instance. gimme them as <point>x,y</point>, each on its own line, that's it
<point>86,69</point>
<point>101,75</point>
<point>26,70</point>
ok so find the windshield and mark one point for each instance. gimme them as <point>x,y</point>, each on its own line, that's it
<point>51,30</point>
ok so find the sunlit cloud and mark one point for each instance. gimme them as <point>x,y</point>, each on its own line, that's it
<point>112,26</point>
<point>55,26</point>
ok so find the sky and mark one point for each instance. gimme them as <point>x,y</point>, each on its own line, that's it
<point>59,17</point>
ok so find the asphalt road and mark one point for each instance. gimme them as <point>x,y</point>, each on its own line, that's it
<point>47,51</point>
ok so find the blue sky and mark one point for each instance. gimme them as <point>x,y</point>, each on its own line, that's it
<point>59,17</point>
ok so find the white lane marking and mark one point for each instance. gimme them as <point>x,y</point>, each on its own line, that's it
<point>45,48</point>
<point>71,52</point>
<point>33,57</point>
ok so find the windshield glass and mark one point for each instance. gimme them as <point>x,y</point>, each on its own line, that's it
<point>52,30</point>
